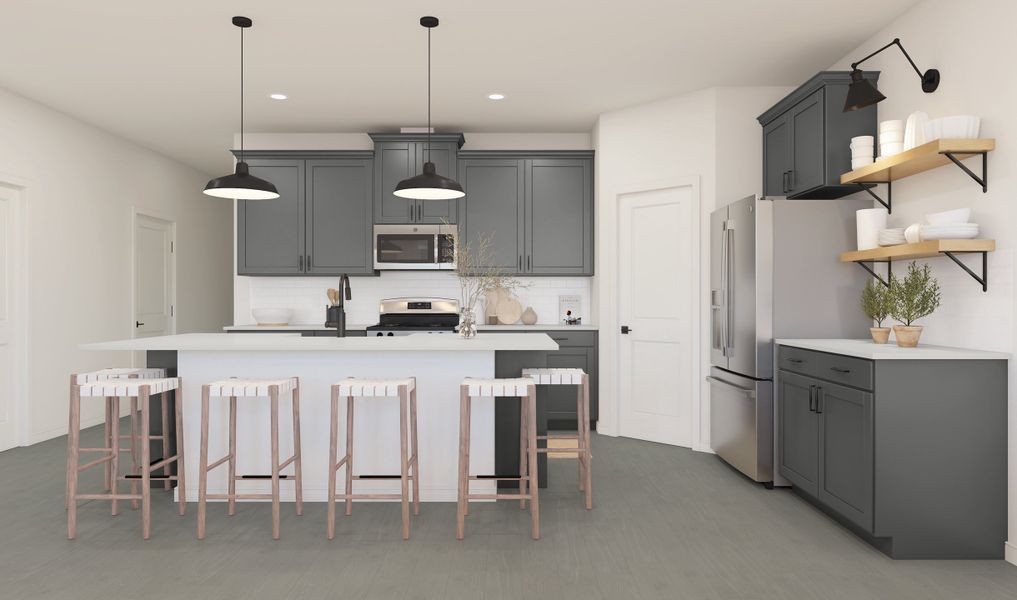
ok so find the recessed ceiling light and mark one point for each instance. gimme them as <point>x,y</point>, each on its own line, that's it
<point>496,96</point>
<point>278,96</point>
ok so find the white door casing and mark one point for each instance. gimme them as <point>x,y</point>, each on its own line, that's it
<point>13,318</point>
<point>657,286</point>
<point>154,276</point>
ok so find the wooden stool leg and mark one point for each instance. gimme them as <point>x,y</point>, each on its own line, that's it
<point>587,454</point>
<point>413,449</point>
<point>523,460</point>
<point>107,426</point>
<point>466,466</point>
<point>231,483</point>
<point>178,408</point>
<point>203,464</point>
<point>114,463</point>
<point>70,427</point>
<point>580,437</point>
<point>531,401</point>
<point>135,470</point>
<point>333,443</point>
<point>349,455</point>
<point>273,393</point>
<point>404,470</point>
<point>164,435</point>
<point>146,460</point>
<point>463,482</point>
<point>297,478</point>
<point>73,435</point>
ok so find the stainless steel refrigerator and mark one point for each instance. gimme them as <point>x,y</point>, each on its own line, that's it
<point>775,273</point>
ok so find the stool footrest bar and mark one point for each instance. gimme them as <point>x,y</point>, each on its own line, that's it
<point>239,496</point>
<point>151,477</point>
<point>368,497</point>
<point>559,437</point>
<point>497,477</point>
<point>221,461</point>
<point>358,477</point>
<point>341,462</point>
<point>107,496</point>
<point>95,462</point>
<point>239,477</point>
<point>287,462</point>
<point>498,497</point>
<point>546,450</point>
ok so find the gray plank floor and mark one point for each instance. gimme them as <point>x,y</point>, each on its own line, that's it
<point>668,523</point>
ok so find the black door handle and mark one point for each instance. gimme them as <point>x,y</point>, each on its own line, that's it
<point>812,397</point>
<point>819,400</point>
<point>520,262</point>
<point>796,361</point>
<point>308,262</point>
<point>528,264</point>
<point>300,261</point>
<point>625,329</point>
<point>138,323</point>
<point>840,370</point>
<point>783,182</point>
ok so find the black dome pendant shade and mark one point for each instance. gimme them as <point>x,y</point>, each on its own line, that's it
<point>429,185</point>
<point>240,184</point>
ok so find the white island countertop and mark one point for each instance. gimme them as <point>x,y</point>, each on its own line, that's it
<point>356,327</point>
<point>275,342</point>
<point>867,349</point>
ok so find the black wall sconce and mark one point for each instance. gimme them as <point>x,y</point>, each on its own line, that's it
<point>862,93</point>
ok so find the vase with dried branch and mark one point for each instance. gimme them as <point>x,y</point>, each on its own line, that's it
<point>476,278</point>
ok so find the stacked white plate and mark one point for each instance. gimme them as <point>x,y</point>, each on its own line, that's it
<point>891,138</point>
<point>862,151</point>
<point>953,231</point>
<point>891,237</point>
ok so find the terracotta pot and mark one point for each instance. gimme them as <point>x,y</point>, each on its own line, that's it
<point>880,335</point>
<point>907,337</point>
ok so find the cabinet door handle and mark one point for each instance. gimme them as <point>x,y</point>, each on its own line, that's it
<point>783,182</point>
<point>309,262</point>
<point>520,262</point>
<point>796,361</point>
<point>409,207</point>
<point>300,260</point>
<point>819,400</point>
<point>840,370</point>
<point>528,263</point>
<point>812,398</point>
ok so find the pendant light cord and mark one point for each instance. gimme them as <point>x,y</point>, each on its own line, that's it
<point>241,94</point>
<point>428,94</point>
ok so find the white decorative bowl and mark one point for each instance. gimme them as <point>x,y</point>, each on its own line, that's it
<point>272,316</point>
<point>959,215</point>
<point>892,125</point>
<point>962,127</point>
<point>858,163</point>
<point>891,136</point>
<point>863,140</point>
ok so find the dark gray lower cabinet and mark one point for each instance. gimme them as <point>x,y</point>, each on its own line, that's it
<point>909,454</point>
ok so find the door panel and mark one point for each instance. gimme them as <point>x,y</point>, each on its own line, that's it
<point>153,276</point>
<point>339,207</point>
<point>270,233</point>
<point>807,146</point>
<point>776,156</point>
<point>741,293</point>
<point>10,318</point>
<point>718,271</point>
<point>443,155</point>
<point>798,449</point>
<point>394,161</point>
<point>655,261</point>
<point>558,215</point>
<point>494,210</point>
<point>846,452</point>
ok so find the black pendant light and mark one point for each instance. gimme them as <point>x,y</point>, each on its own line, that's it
<point>429,185</point>
<point>240,184</point>
<point>862,93</point>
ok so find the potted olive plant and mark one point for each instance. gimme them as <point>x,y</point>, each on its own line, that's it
<point>876,306</point>
<point>912,298</point>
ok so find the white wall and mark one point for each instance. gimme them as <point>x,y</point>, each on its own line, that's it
<point>710,135</point>
<point>971,43</point>
<point>82,186</point>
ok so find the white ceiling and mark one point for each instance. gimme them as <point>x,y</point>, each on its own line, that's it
<point>165,74</point>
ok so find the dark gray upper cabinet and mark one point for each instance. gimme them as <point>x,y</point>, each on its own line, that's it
<point>399,156</point>
<point>270,233</point>
<point>338,215</point>
<point>321,222</point>
<point>807,137</point>
<point>536,206</point>
<point>493,209</point>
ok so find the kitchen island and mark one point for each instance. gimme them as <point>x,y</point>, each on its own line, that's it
<point>439,362</point>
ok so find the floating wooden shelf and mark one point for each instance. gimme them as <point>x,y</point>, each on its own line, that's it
<point>931,248</point>
<point>918,160</point>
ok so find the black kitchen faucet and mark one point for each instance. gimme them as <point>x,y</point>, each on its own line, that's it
<point>344,294</point>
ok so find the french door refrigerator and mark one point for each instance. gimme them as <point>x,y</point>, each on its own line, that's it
<point>774,273</point>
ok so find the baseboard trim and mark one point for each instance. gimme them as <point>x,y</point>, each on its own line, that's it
<point>1010,552</point>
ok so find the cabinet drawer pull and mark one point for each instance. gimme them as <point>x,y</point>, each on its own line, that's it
<point>812,398</point>
<point>560,339</point>
<point>309,263</point>
<point>300,260</point>
<point>840,370</point>
<point>819,400</point>
<point>796,361</point>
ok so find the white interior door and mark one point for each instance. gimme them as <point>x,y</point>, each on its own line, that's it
<point>11,341</point>
<point>154,277</point>
<point>656,287</point>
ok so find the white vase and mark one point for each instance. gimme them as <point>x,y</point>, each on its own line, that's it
<point>529,317</point>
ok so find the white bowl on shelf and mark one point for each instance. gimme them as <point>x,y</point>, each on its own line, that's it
<point>272,316</point>
<point>891,125</point>
<point>858,163</point>
<point>956,231</point>
<point>890,149</point>
<point>891,137</point>
<point>947,217</point>
<point>964,127</point>
<point>863,140</point>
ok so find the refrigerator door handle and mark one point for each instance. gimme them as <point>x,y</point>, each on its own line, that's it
<point>748,393</point>
<point>729,287</point>
<point>723,289</point>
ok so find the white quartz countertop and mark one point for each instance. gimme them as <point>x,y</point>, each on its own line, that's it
<point>320,327</point>
<point>867,349</point>
<point>276,342</point>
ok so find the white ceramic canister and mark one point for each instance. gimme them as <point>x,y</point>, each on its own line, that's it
<point>869,222</point>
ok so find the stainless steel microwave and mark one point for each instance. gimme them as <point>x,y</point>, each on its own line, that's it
<point>415,247</point>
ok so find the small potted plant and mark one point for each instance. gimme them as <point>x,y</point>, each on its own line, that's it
<point>876,306</point>
<point>912,298</point>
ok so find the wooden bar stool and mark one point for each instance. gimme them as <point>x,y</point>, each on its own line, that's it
<point>406,391</point>
<point>579,378</point>
<point>139,390</point>
<point>261,388</point>
<point>133,448</point>
<point>524,389</point>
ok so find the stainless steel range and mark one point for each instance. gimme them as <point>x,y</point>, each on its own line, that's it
<point>405,316</point>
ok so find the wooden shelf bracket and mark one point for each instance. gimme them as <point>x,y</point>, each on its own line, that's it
<point>984,179</point>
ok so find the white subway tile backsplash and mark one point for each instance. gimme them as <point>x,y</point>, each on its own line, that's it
<point>306,295</point>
